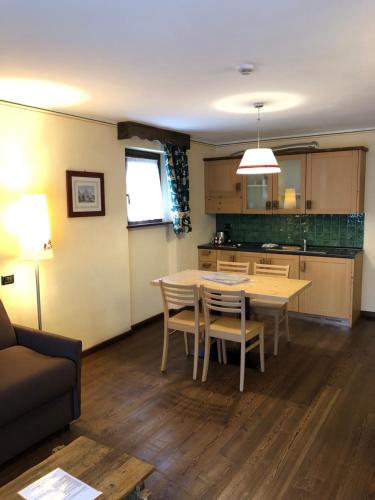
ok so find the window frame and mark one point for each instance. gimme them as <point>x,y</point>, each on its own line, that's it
<point>148,155</point>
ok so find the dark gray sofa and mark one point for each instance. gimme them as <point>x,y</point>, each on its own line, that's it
<point>40,379</point>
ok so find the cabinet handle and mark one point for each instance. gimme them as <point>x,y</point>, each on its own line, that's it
<point>303,266</point>
<point>308,204</point>
<point>268,205</point>
<point>206,265</point>
<point>238,187</point>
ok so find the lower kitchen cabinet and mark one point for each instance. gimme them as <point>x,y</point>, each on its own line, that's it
<point>336,287</point>
<point>250,257</point>
<point>293,262</point>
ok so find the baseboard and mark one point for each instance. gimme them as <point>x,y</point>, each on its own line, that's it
<point>368,314</point>
<point>122,336</point>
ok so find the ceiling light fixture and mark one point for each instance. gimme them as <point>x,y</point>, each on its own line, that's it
<point>258,160</point>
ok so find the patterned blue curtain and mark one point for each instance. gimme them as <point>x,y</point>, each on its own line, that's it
<point>178,181</point>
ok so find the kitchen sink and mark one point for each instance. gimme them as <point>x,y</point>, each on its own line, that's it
<point>291,248</point>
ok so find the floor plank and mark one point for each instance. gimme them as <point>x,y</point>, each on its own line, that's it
<point>303,429</point>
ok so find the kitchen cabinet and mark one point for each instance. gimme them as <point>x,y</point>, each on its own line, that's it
<point>289,186</point>
<point>207,259</point>
<point>293,262</point>
<point>335,182</point>
<point>328,181</point>
<point>250,257</point>
<point>223,187</point>
<point>336,287</point>
<point>258,192</point>
<point>336,282</point>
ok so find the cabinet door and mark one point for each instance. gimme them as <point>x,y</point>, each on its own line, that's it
<point>207,254</point>
<point>332,182</point>
<point>293,262</point>
<point>289,185</point>
<point>226,255</point>
<point>257,194</point>
<point>223,186</point>
<point>331,289</point>
<point>251,258</point>
<point>207,265</point>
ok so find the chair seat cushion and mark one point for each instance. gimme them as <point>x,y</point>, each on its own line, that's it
<point>185,320</point>
<point>29,379</point>
<point>232,326</point>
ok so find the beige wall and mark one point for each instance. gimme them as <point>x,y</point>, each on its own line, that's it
<point>342,140</point>
<point>85,287</point>
<point>97,284</point>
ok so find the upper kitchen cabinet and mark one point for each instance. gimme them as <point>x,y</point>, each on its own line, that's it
<point>257,194</point>
<point>223,187</point>
<point>289,185</point>
<point>335,181</point>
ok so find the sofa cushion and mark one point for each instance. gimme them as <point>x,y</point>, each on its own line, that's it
<point>7,334</point>
<point>29,379</point>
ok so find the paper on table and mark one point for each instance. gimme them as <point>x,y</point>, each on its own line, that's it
<point>59,485</point>
<point>226,279</point>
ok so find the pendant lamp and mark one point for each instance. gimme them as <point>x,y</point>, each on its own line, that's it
<point>258,160</point>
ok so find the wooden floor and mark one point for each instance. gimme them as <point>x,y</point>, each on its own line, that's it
<point>303,429</point>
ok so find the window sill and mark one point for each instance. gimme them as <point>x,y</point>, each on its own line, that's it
<point>136,225</point>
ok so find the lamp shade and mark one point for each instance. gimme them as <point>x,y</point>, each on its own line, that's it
<point>290,199</point>
<point>258,161</point>
<point>34,228</point>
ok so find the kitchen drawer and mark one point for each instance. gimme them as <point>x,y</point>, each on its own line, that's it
<point>206,254</point>
<point>206,265</point>
<point>226,255</point>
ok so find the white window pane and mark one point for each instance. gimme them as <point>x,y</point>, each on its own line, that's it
<point>144,190</point>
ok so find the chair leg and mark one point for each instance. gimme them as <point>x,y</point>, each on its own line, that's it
<point>287,324</point>
<point>218,344</point>
<point>196,354</point>
<point>207,349</point>
<point>186,344</point>
<point>261,350</point>
<point>242,366</point>
<point>165,349</point>
<point>276,342</point>
<point>224,350</point>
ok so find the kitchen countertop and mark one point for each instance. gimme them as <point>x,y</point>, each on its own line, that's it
<point>313,251</point>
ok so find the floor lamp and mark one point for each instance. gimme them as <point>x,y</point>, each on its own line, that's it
<point>35,236</point>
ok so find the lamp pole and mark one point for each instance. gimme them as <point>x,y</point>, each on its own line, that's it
<point>37,286</point>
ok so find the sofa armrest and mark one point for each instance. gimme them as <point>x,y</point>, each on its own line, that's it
<point>49,343</point>
<point>55,345</point>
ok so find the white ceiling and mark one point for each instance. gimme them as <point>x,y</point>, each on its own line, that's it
<point>167,62</point>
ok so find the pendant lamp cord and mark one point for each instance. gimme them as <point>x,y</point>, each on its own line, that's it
<point>258,121</point>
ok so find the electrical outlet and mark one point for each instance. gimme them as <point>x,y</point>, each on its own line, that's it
<point>7,280</point>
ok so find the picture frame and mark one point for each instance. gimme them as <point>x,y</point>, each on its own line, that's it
<point>85,193</point>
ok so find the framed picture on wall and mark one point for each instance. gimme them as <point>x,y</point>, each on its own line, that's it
<point>85,193</point>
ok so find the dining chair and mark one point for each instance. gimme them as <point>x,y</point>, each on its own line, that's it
<point>277,310</point>
<point>231,328</point>
<point>233,267</point>
<point>186,321</point>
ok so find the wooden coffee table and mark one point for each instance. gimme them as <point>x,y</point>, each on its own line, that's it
<point>116,474</point>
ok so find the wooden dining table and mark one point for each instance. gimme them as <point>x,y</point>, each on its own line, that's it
<point>266,288</point>
<point>257,287</point>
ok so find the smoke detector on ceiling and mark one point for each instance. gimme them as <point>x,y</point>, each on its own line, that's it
<point>246,69</point>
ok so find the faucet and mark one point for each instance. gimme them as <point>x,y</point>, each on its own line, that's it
<point>304,245</point>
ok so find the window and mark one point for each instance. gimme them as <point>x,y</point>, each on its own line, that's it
<point>144,188</point>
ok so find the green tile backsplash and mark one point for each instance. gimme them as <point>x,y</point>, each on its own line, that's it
<point>321,230</point>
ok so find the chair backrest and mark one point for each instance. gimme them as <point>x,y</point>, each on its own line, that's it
<point>271,270</point>
<point>179,296</point>
<point>224,301</point>
<point>233,267</point>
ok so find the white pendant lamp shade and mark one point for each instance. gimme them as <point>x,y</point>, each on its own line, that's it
<point>258,161</point>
